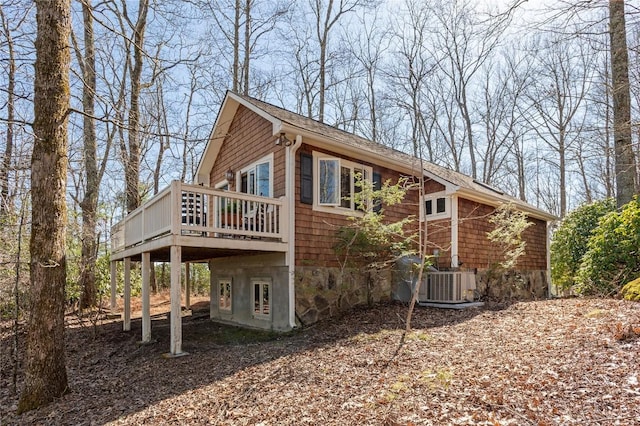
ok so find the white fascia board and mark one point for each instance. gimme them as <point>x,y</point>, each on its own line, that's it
<point>321,141</point>
<point>496,201</point>
<point>219,132</point>
<point>216,137</point>
<point>277,124</point>
<point>449,188</point>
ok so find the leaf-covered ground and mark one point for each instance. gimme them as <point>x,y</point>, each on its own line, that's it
<point>540,363</point>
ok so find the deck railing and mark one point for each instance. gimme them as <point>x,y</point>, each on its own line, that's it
<point>184,209</point>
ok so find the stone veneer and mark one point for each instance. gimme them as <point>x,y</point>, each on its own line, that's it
<point>520,285</point>
<point>324,292</point>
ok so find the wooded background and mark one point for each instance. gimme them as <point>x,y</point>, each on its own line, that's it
<point>517,95</point>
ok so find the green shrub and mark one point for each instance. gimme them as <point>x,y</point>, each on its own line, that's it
<point>613,253</point>
<point>631,291</point>
<point>570,240</point>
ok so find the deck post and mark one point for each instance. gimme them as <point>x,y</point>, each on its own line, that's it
<point>114,287</point>
<point>146,308</point>
<point>176,317</point>
<point>187,280</point>
<point>126,323</point>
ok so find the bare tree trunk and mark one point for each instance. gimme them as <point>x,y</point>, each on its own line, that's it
<point>562,165</point>
<point>45,369</point>
<point>236,47</point>
<point>247,47</point>
<point>16,296</point>
<point>163,136</point>
<point>89,203</point>
<point>322,34</point>
<point>132,171</point>
<point>5,202</point>
<point>463,104</point>
<point>625,160</point>
<point>522,190</point>
<point>609,160</point>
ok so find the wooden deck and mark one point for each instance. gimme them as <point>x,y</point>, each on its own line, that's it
<point>205,222</point>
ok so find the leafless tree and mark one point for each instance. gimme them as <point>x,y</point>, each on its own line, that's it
<point>504,87</point>
<point>410,77</point>
<point>557,99</point>
<point>242,24</point>
<point>94,168</point>
<point>13,17</point>
<point>462,40</point>
<point>45,369</point>
<point>368,47</point>
<point>314,52</point>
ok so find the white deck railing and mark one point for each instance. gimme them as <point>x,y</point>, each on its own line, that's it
<point>184,209</point>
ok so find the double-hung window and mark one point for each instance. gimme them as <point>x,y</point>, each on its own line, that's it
<point>261,297</point>
<point>337,181</point>
<point>257,178</point>
<point>224,291</point>
<point>436,206</point>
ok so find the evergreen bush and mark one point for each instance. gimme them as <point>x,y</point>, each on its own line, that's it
<point>570,240</point>
<point>613,253</point>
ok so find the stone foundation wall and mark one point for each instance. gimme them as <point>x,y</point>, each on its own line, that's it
<point>324,292</point>
<point>520,285</point>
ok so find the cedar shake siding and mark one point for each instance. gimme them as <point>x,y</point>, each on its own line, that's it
<point>248,140</point>
<point>431,186</point>
<point>439,242</point>
<point>476,251</point>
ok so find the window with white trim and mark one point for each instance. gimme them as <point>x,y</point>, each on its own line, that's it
<point>436,206</point>
<point>261,297</point>
<point>257,178</point>
<point>225,294</point>
<point>336,181</point>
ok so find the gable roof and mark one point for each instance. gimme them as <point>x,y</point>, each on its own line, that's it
<point>341,141</point>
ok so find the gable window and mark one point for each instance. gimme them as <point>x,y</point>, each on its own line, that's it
<point>224,292</point>
<point>436,206</point>
<point>257,178</point>
<point>261,297</point>
<point>336,181</point>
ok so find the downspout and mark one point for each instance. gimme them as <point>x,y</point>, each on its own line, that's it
<point>455,258</point>
<point>290,180</point>
<point>548,250</point>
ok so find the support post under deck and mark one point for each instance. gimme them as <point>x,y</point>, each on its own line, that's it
<point>146,305</point>
<point>176,315</point>
<point>126,323</point>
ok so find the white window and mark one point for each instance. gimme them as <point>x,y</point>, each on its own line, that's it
<point>225,294</point>
<point>261,297</point>
<point>257,178</point>
<point>436,206</point>
<point>336,181</point>
<point>328,182</point>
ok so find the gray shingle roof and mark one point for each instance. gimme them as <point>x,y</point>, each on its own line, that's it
<point>359,143</point>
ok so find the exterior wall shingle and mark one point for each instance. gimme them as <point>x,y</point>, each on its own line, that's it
<point>248,140</point>
<point>476,251</point>
<point>316,230</point>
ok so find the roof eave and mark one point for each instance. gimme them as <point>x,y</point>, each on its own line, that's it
<point>322,141</point>
<point>496,201</point>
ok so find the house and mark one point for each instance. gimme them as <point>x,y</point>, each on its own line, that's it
<point>271,190</point>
